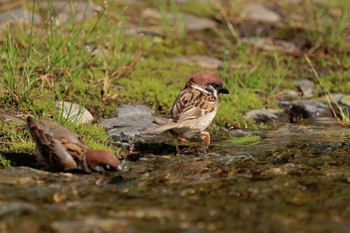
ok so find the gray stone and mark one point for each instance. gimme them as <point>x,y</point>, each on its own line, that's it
<point>307,87</point>
<point>136,30</point>
<point>229,159</point>
<point>74,112</point>
<point>19,16</point>
<point>196,23</point>
<point>267,44</point>
<point>298,110</point>
<point>90,224</point>
<point>134,110</point>
<point>259,12</point>
<point>191,22</point>
<point>264,115</point>
<point>198,1</point>
<point>130,120</point>
<point>68,11</point>
<point>199,60</point>
<point>8,208</point>
<point>332,98</point>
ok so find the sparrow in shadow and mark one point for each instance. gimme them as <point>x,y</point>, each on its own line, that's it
<point>60,149</point>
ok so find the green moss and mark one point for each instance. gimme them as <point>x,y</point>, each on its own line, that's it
<point>198,8</point>
<point>54,62</point>
<point>4,163</point>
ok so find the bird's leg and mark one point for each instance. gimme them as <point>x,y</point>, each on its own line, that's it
<point>205,137</point>
<point>176,136</point>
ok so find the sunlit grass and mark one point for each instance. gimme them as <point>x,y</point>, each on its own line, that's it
<point>96,64</point>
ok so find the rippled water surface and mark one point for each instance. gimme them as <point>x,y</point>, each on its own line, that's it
<point>294,179</point>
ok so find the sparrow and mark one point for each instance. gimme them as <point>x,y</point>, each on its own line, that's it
<point>60,149</point>
<point>194,109</point>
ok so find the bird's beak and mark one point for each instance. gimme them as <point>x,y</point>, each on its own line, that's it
<point>223,90</point>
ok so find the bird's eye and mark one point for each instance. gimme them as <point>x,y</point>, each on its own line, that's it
<point>107,167</point>
<point>216,85</point>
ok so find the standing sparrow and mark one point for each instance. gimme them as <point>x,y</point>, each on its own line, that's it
<point>194,109</point>
<point>62,150</point>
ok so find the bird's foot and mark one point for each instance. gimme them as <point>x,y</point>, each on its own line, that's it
<point>203,153</point>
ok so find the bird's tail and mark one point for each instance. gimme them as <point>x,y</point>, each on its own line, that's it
<point>160,128</point>
<point>7,117</point>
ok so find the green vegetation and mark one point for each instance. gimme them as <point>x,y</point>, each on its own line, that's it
<point>98,64</point>
<point>246,140</point>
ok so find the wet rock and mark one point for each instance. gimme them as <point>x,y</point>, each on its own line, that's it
<point>191,22</point>
<point>91,224</point>
<point>288,168</point>
<point>15,208</point>
<point>264,115</point>
<point>307,87</point>
<point>20,176</point>
<point>74,112</point>
<point>333,97</point>
<point>299,110</point>
<point>19,16</point>
<point>199,60</point>
<point>130,120</point>
<point>229,159</point>
<point>259,12</point>
<point>134,110</point>
<point>68,11</point>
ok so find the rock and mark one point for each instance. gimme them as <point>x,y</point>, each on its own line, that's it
<point>288,168</point>
<point>199,60</point>
<point>288,94</point>
<point>196,23</point>
<point>64,11</point>
<point>19,16</point>
<point>91,224</point>
<point>293,1</point>
<point>130,2</point>
<point>139,122</point>
<point>130,120</point>
<point>299,110</point>
<point>11,208</point>
<point>334,98</point>
<point>21,176</point>
<point>259,12</point>
<point>192,22</point>
<point>74,112</point>
<point>307,87</point>
<point>281,46</point>
<point>134,110</point>
<point>135,30</point>
<point>264,115</point>
<point>198,1</point>
<point>230,159</point>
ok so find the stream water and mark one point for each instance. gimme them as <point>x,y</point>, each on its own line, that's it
<point>294,179</point>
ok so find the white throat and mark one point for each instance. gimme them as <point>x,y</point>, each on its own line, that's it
<point>213,92</point>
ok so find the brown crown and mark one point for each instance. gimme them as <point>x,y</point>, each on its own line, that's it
<point>203,78</point>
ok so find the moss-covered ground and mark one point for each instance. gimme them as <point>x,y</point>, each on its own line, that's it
<point>44,63</point>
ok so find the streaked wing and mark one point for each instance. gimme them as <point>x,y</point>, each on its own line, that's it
<point>58,151</point>
<point>191,104</point>
<point>58,131</point>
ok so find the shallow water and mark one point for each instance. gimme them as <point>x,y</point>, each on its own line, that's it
<point>294,179</point>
